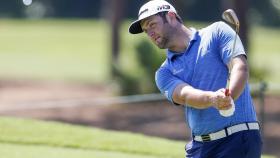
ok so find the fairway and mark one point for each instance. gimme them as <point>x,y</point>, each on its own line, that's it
<point>48,137</point>
<point>54,50</point>
<point>40,151</point>
<point>22,138</point>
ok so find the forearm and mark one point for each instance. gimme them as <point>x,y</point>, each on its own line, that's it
<point>197,98</point>
<point>185,94</point>
<point>238,78</point>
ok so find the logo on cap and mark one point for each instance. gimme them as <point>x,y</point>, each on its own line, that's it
<point>143,12</point>
<point>163,7</point>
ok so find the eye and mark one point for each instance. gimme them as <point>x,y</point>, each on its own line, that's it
<point>152,25</point>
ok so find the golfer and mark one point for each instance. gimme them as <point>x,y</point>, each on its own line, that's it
<point>194,75</point>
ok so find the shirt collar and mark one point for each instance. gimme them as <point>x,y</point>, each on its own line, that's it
<point>194,37</point>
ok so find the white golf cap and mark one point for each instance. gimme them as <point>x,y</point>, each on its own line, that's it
<point>148,9</point>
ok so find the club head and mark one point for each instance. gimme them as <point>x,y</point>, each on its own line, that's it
<point>230,17</point>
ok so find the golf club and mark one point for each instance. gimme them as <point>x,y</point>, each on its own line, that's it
<point>230,17</point>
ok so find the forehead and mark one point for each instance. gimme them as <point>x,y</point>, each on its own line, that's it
<point>148,19</point>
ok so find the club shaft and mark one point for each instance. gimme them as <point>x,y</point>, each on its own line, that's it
<point>230,61</point>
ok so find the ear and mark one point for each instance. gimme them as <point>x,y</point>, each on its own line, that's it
<point>171,17</point>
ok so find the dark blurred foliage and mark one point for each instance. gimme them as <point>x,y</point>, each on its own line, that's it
<point>266,12</point>
<point>11,8</point>
<point>149,58</point>
<point>75,8</point>
<point>199,10</point>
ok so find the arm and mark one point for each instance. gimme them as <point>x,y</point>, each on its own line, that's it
<point>239,76</point>
<point>239,70</point>
<point>186,94</point>
<point>182,93</point>
<point>199,99</point>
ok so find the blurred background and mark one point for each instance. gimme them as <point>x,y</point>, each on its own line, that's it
<point>74,61</point>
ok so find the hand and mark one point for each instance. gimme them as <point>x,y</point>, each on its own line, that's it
<point>221,101</point>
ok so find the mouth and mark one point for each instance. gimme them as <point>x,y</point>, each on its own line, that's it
<point>157,40</point>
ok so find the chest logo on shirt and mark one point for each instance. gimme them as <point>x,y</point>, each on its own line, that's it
<point>175,72</point>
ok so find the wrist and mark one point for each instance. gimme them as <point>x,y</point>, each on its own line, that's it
<point>212,98</point>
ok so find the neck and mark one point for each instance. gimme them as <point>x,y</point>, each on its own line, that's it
<point>180,39</point>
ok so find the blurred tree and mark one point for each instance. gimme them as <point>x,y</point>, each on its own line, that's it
<point>75,8</point>
<point>241,7</point>
<point>11,8</point>
<point>268,11</point>
<point>201,10</point>
<point>150,58</point>
<point>116,15</point>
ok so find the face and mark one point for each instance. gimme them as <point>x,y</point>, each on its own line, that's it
<point>157,30</point>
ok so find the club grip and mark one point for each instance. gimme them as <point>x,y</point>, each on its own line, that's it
<point>227,92</point>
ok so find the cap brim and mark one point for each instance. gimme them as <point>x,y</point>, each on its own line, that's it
<point>135,27</point>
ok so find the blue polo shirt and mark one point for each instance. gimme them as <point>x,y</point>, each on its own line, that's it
<point>203,65</point>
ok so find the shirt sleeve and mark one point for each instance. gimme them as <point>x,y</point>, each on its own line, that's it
<point>225,36</point>
<point>167,82</point>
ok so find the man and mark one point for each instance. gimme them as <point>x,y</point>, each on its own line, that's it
<point>194,75</point>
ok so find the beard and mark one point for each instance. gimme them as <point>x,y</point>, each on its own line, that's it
<point>162,44</point>
<point>165,38</point>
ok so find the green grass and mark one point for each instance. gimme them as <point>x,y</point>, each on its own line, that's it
<point>31,137</point>
<point>35,151</point>
<point>265,49</point>
<point>54,49</point>
<point>22,138</point>
<point>79,50</point>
